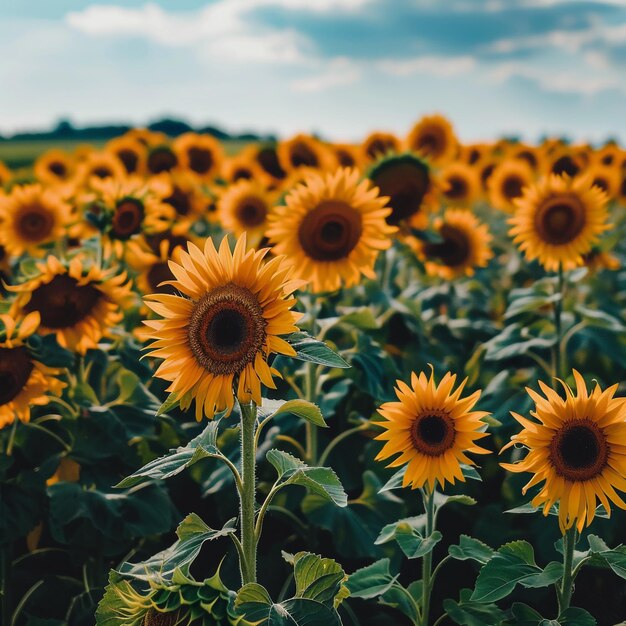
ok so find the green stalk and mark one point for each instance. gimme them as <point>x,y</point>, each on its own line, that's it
<point>558,309</point>
<point>311,429</point>
<point>565,594</point>
<point>248,493</point>
<point>428,496</point>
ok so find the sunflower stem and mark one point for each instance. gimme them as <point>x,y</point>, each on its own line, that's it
<point>310,389</point>
<point>558,309</point>
<point>565,594</point>
<point>428,496</point>
<point>248,493</point>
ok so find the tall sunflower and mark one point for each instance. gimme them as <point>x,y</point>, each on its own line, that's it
<point>432,428</point>
<point>220,332</point>
<point>507,183</point>
<point>32,215</point>
<point>558,220</point>
<point>409,184</point>
<point>24,381</point>
<point>464,245</point>
<point>331,229</point>
<point>575,447</point>
<point>433,138</point>
<point>77,303</point>
<point>244,208</point>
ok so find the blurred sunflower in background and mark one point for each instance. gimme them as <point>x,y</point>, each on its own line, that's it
<point>575,448</point>
<point>5,175</point>
<point>243,167</point>
<point>378,144</point>
<point>331,229</point>
<point>161,158</point>
<point>464,245</point>
<point>266,155</point>
<point>31,216</point>
<point>99,165</point>
<point>24,381</point>
<point>130,151</point>
<point>54,166</point>
<point>184,195</point>
<point>347,155</point>
<point>605,177</point>
<point>460,185</point>
<point>201,155</point>
<point>432,427</point>
<point>433,138</point>
<point>507,182</point>
<point>558,220</point>
<point>305,151</point>
<point>78,303</point>
<point>219,334</point>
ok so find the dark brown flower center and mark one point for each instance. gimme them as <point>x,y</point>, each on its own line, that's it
<point>607,159</point>
<point>159,273</point>
<point>301,154</point>
<point>156,618</point>
<point>529,157</point>
<point>405,182</point>
<point>101,171</point>
<point>379,146</point>
<point>330,231</point>
<point>242,173</point>
<point>473,156</point>
<point>579,451</point>
<point>200,160</point>
<point>62,302</point>
<point>268,160</point>
<point>486,172</point>
<point>251,211</point>
<point>129,159</point>
<point>15,370</point>
<point>58,169</point>
<point>565,165</point>
<point>345,158</point>
<point>601,182</point>
<point>127,218</point>
<point>179,200</point>
<point>433,433</point>
<point>431,142</point>
<point>35,223</point>
<point>453,250</point>
<point>512,186</point>
<point>161,159</point>
<point>560,220</point>
<point>227,330</point>
<point>457,188</point>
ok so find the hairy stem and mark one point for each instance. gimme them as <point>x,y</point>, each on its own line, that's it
<point>248,492</point>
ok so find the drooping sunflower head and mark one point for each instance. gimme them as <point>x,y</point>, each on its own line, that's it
<point>130,151</point>
<point>433,138</point>
<point>32,215</point>
<point>331,229</point>
<point>201,155</point>
<point>378,144</point>
<point>24,381</point>
<point>409,184</point>
<point>558,220</point>
<point>575,448</point>
<point>305,151</point>
<point>432,427</point>
<point>460,184</point>
<point>244,208</point>
<point>54,166</point>
<point>219,333</point>
<point>80,304</point>
<point>507,182</point>
<point>464,245</point>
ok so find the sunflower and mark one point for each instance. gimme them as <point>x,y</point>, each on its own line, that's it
<point>464,245</point>
<point>146,137</point>
<point>331,229</point>
<point>605,177</point>
<point>433,138</point>
<point>523,152</point>
<point>460,184</point>
<point>161,158</point>
<point>266,156</point>
<point>507,182</point>
<point>610,154</point>
<point>564,162</point>
<point>244,167</point>
<point>5,175</point>
<point>78,304</point>
<point>130,151</point>
<point>576,447</point>
<point>558,220</point>
<point>597,260</point>
<point>126,209</point>
<point>347,155</point>
<point>305,151</point>
<point>409,184</point>
<point>184,195</point>
<point>244,207</point>
<point>378,144</point>
<point>473,153</point>
<point>24,381</point>
<point>432,428</point>
<point>221,331</point>
<point>54,166</point>
<point>153,265</point>
<point>200,154</point>
<point>99,165</point>
<point>32,215</point>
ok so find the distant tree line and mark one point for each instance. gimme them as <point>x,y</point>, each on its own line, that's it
<point>65,130</point>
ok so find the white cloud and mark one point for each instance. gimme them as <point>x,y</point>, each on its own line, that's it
<point>338,72</point>
<point>435,65</point>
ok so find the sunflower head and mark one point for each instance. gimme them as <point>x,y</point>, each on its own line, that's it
<point>131,152</point>
<point>331,229</point>
<point>305,151</point>
<point>574,449</point>
<point>507,182</point>
<point>219,334</point>
<point>558,220</point>
<point>433,138</point>
<point>202,155</point>
<point>460,184</point>
<point>432,427</point>
<point>409,184</point>
<point>161,158</point>
<point>53,166</point>
<point>99,166</point>
<point>378,144</point>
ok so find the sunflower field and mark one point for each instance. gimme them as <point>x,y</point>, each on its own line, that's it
<point>314,384</point>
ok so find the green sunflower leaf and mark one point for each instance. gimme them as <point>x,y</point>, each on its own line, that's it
<point>310,349</point>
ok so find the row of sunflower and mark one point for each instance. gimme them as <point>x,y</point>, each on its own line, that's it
<point>411,259</point>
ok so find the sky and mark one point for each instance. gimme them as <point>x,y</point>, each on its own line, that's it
<point>340,68</point>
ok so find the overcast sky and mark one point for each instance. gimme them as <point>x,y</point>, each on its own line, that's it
<point>337,67</point>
